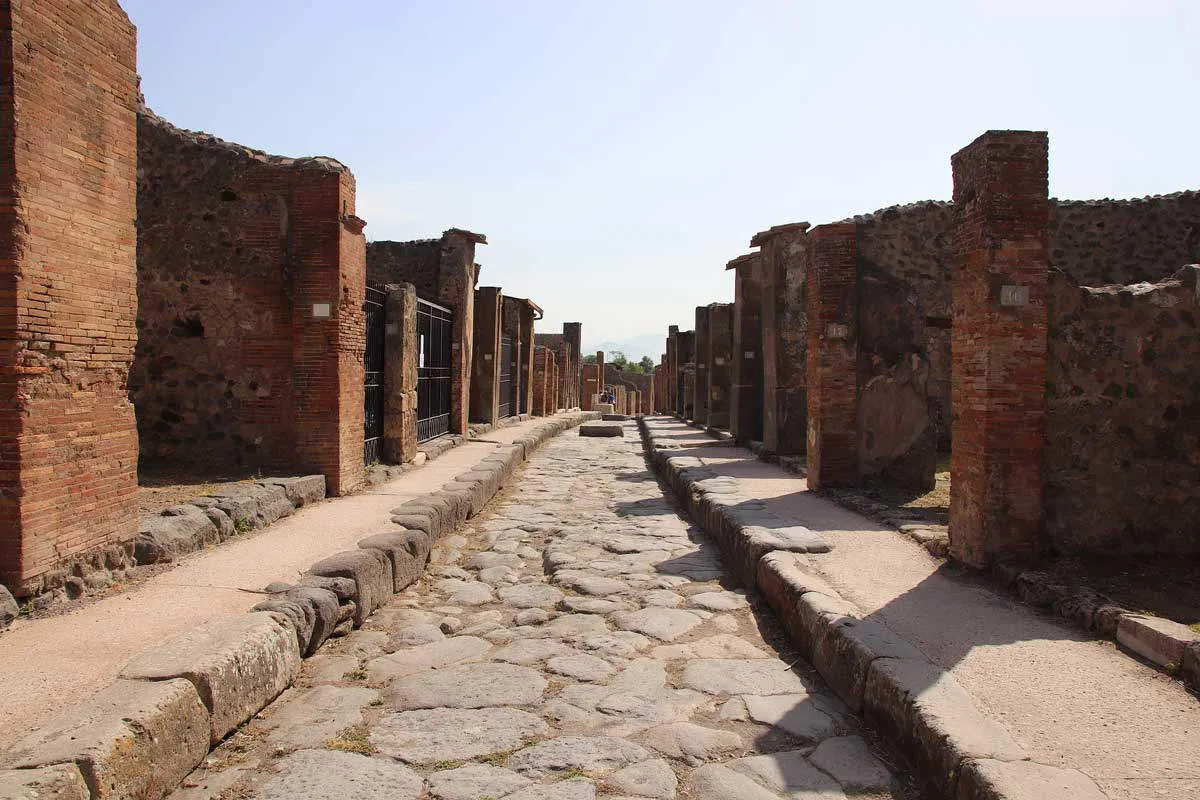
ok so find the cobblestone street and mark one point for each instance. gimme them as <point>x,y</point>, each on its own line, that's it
<point>577,641</point>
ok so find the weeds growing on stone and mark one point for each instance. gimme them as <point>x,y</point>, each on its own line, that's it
<point>353,740</point>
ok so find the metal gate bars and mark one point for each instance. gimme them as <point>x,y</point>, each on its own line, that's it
<point>376,318</point>
<point>435,325</point>
<point>506,376</point>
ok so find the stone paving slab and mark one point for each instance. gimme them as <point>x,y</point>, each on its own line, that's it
<point>615,658</point>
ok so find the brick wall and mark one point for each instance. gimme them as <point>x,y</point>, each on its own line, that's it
<point>573,334</point>
<point>785,337</point>
<point>832,356</point>
<point>1000,319</point>
<point>251,278</point>
<point>68,150</point>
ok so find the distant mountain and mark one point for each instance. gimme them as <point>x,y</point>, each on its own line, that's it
<point>646,344</point>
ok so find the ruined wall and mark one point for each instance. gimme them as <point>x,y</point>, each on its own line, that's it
<point>638,382</point>
<point>905,255</point>
<point>1107,242</point>
<point>444,272</point>
<point>68,160</point>
<point>251,274</point>
<point>785,337</point>
<point>1122,457</point>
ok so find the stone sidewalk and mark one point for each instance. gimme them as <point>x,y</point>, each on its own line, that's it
<point>577,638</point>
<point>53,663</point>
<point>1068,699</point>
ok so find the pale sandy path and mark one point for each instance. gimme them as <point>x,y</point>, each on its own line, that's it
<point>1068,698</point>
<point>50,664</point>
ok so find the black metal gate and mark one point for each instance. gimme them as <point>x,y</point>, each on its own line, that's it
<point>506,376</point>
<point>376,320</point>
<point>435,330</point>
<point>519,385</point>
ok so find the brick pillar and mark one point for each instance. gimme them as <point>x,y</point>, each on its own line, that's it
<point>999,346</point>
<point>565,383</point>
<point>746,399</point>
<point>591,383</point>
<point>485,360</point>
<point>832,356</point>
<point>458,274</point>
<point>68,285</point>
<point>720,366</point>
<point>401,354</point>
<point>700,400</point>
<point>785,337</point>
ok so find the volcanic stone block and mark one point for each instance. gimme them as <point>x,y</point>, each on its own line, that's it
<point>132,739</point>
<point>301,491</point>
<point>164,538</point>
<point>372,582</point>
<point>324,605</point>
<point>59,782</point>
<point>602,429</point>
<point>407,550</point>
<point>238,664</point>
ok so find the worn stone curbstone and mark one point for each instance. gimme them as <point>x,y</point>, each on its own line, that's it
<point>1155,639</point>
<point>238,664</point>
<point>988,779</point>
<point>326,616</point>
<point>932,720</point>
<point>222,522</point>
<point>302,490</point>
<point>792,593</point>
<point>161,539</point>
<point>844,652</point>
<point>372,583</point>
<point>132,739</point>
<point>57,782</point>
<point>406,550</point>
<point>749,544</point>
<point>418,520</point>
<point>300,616</point>
<point>9,610</point>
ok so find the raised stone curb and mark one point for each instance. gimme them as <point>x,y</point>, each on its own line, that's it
<point>144,733</point>
<point>919,708</point>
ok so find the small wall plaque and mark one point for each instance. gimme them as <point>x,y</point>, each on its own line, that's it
<point>749,355</point>
<point>487,356</point>
<point>836,330</point>
<point>719,361</point>
<point>1014,296</point>
<point>322,310</point>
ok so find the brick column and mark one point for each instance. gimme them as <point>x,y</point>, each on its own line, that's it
<point>68,286</point>
<point>999,346</point>
<point>542,359</point>
<point>458,274</point>
<point>485,359</point>
<point>832,356</point>
<point>700,401</point>
<point>720,366</point>
<point>746,399</point>
<point>401,354</point>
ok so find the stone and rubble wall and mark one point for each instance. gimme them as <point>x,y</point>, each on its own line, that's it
<point>1122,458</point>
<point>251,274</point>
<point>746,397</point>
<point>68,164</point>
<point>720,369</point>
<point>783,251</point>
<point>485,356</point>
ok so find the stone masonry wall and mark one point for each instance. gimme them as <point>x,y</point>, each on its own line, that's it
<point>1105,242</point>
<point>785,337</point>
<point>1122,457</point>
<point>68,160</point>
<point>251,274</point>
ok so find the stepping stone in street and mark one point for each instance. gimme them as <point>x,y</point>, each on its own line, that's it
<point>797,714</point>
<point>334,775</point>
<point>468,686</point>
<point>474,782</point>
<point>667,624</point>
<point>602,429</point>
<point>742,676</point>
<point>452,734</point>
<point>596,755</point>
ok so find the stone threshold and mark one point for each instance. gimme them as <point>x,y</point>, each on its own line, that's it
<point>171,704</point>
<point>919,708</point>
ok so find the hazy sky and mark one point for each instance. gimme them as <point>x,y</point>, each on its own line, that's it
<point>617,153</point>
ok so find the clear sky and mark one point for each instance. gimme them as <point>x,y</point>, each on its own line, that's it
<point>618,153</point>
